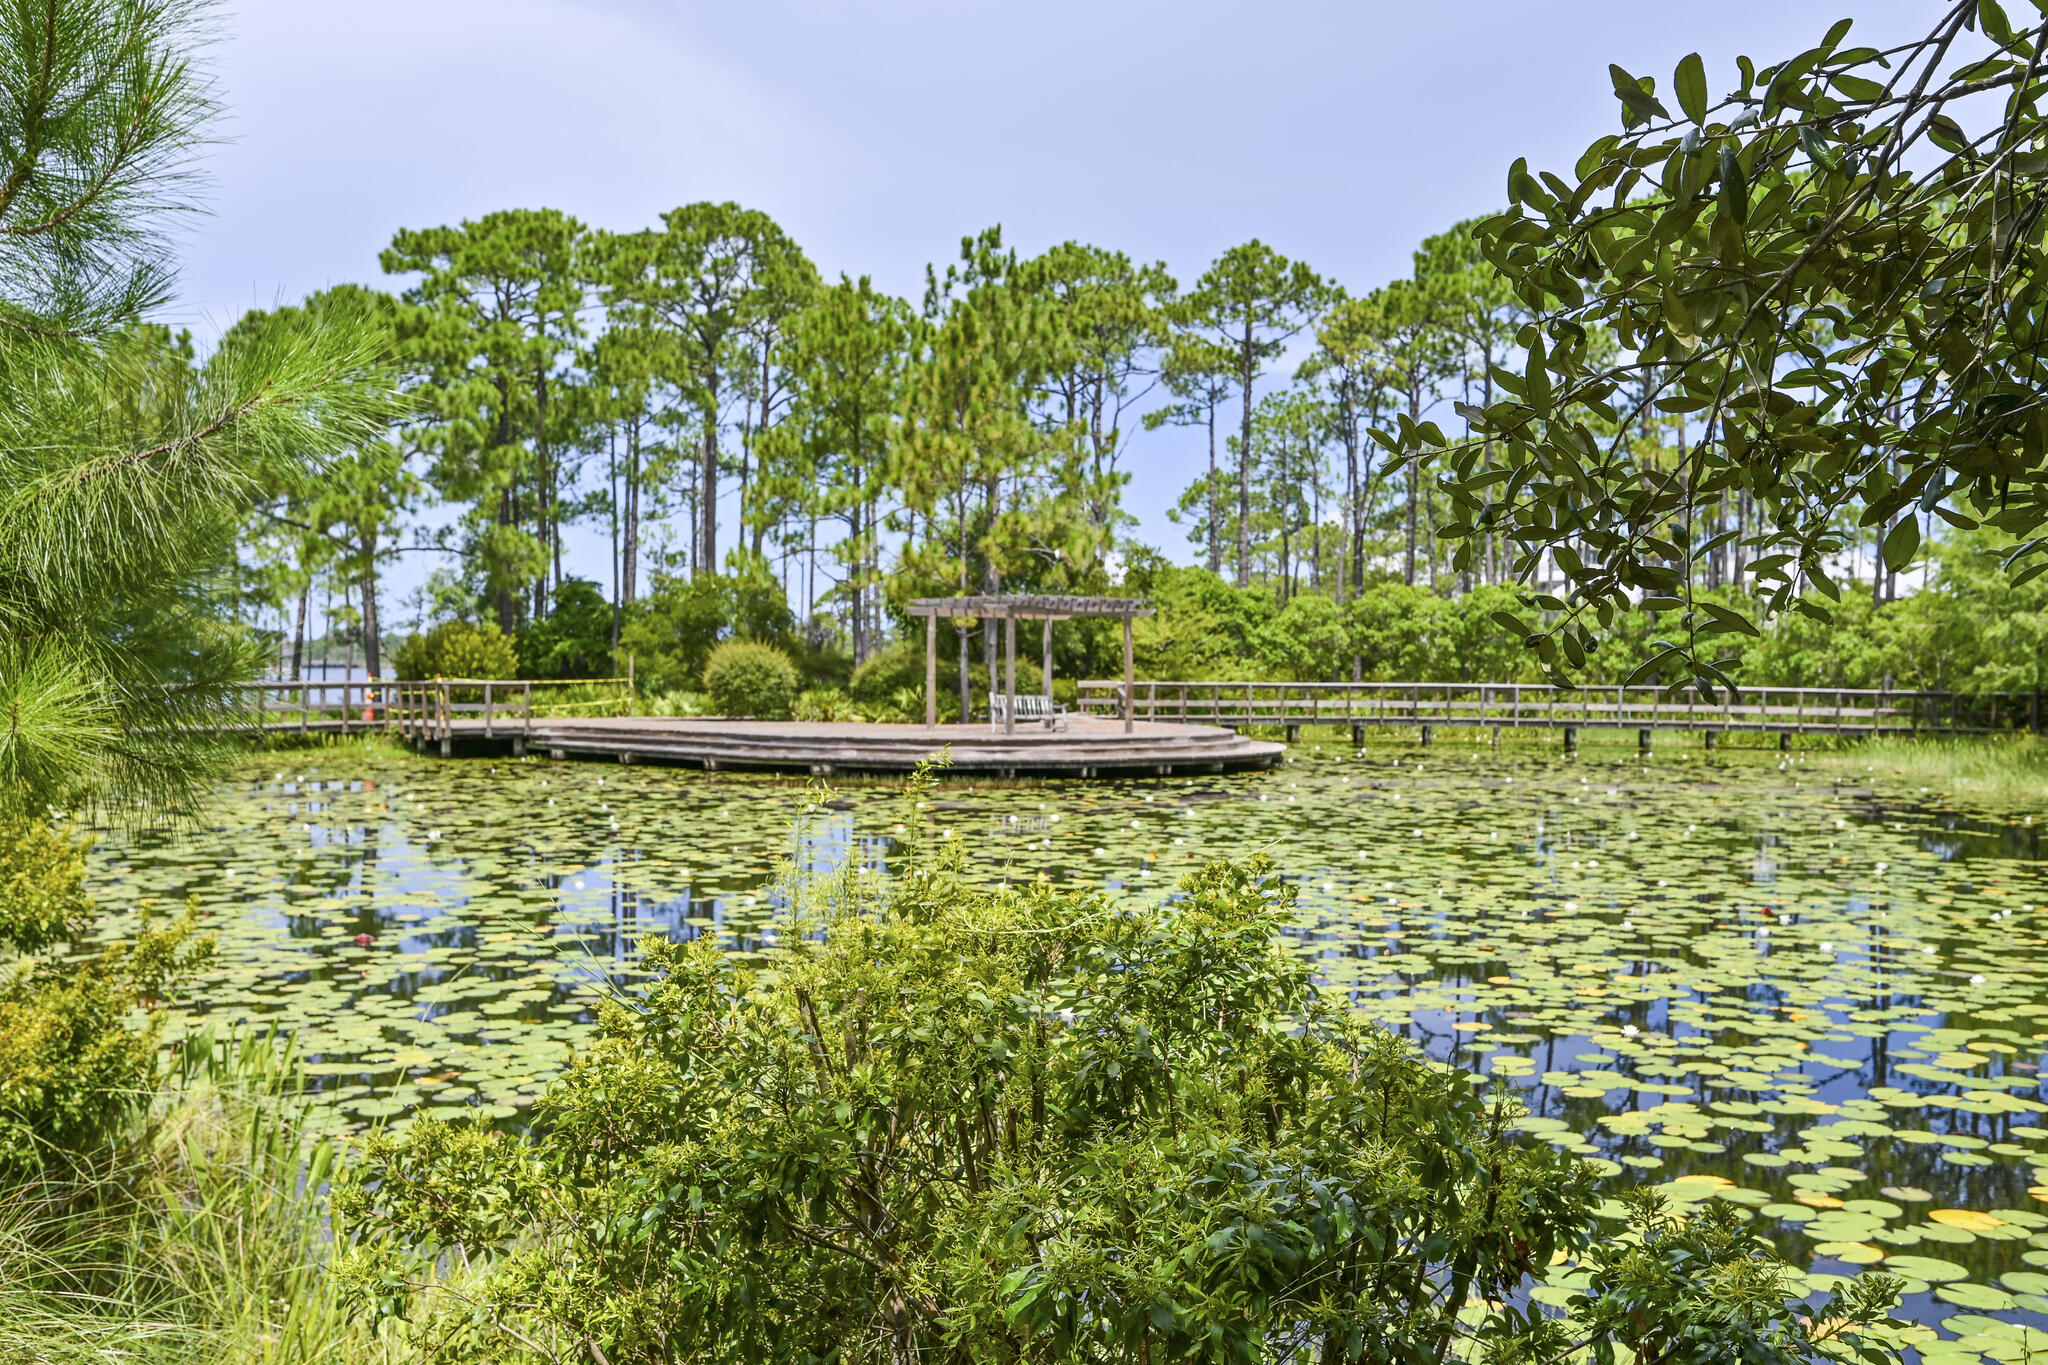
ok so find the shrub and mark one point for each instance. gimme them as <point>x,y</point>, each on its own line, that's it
<point>672,631</point>
<point>574,640</point>
<point>950,1123</point>
<point>748,678</point>
<point>73,1065</point>
<point>42,886</point>
<point>897,665</point>
<point>826,703</point>
<point>457,649</point>
<point>674,704</point>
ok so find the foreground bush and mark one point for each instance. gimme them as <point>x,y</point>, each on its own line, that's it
<point>76,1062</point>
<point>948,1125</point>
<point>201,1238</point>
<point>747,678</point>
<point>457,649</point>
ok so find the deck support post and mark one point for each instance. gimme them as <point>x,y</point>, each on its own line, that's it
<point>1496,736</point>
<point>1130,677</point>
<point>1712,736</point>
<point>1293,733</point>
<point>1357,736</point>
<point>1571,739</point>
<point>1785,740</point>
<point>1428,733</point>
<point>931,671</point>
<point>1009,672</point>
<point>1045,667</point>
<point>1643,740</point>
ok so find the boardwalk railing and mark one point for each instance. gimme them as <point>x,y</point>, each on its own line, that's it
<point>421,712</point>
<point>1768,710</point>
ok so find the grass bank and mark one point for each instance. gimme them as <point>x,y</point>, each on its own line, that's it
<point>202,1238</point>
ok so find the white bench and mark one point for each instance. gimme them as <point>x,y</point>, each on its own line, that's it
<point>1030,708</point>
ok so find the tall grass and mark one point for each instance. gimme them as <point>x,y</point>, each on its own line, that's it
<point>202,1238</point>
<point>2008,771</point>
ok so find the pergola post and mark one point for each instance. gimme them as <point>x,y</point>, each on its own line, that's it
<point>1130,677</point>
<point>1045,669</point>
<point>931,671</point>
<point>1010,672</point>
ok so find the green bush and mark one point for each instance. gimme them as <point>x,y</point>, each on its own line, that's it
<point>826,703</point>
<point>73,1063</point>
<point>457,649</point>
<point>671,632</point>
<point>574,640</point>
<point>748,678</point>
<point>897,665</point>
<point>961,1124</point>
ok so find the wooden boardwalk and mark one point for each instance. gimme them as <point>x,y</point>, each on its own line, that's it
<point>1156,728</point>
<point>1781,711</point>
<point>1088,747</point>
<point>517,717</point>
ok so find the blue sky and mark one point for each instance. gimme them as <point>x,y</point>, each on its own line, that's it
<point>879,134</point>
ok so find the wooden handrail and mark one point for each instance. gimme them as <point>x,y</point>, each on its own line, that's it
<point>1784,710</point>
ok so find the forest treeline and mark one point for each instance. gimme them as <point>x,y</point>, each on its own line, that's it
<point>873,449</point>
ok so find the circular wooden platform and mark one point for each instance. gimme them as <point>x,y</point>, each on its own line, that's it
<point>1088,747</point>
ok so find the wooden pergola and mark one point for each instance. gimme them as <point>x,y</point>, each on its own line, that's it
<point>1009,608</point>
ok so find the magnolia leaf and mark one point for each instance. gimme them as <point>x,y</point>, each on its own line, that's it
<point>1733,620</point>
<point>1902,543</point>
<point>1689,83</point>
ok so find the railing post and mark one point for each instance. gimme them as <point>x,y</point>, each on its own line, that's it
<point>447,721</point>
<point>489,732</point>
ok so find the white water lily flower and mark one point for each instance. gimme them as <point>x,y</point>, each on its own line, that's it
<point>1571,905</point>
<point>1629,1030</point>
<point>1976,981</point>
<point>1827,947</point>
<point>1929,950</point>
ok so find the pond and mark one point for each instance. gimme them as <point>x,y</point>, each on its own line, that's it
<point>1748,978</point>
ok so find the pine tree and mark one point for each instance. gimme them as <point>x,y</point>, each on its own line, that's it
<point>1252,302</point>
<point>125,468</point>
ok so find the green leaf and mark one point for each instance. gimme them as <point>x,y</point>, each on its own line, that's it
<point>1860,88</point>
<point>1734,620</point>
<point>1816,147</point>
<point>1634,97</point>
<point>1991,18</point>
<point>1689,83</point>
<point>1902,543</point>
<point>1945,133</point>
<point>1734,187</point>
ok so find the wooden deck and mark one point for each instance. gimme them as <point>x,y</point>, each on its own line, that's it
<point>1087,748</point>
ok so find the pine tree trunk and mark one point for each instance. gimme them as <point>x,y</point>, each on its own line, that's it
<point>1244,466</point>
<point>373,646</point>
<point>1215,511</point>
<point>299,634</point>
<point>707,535</point>
<point>1413,471</point>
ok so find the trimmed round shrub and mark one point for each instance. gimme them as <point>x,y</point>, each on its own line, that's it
<point>748,678</point>
<point>457,649</point>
